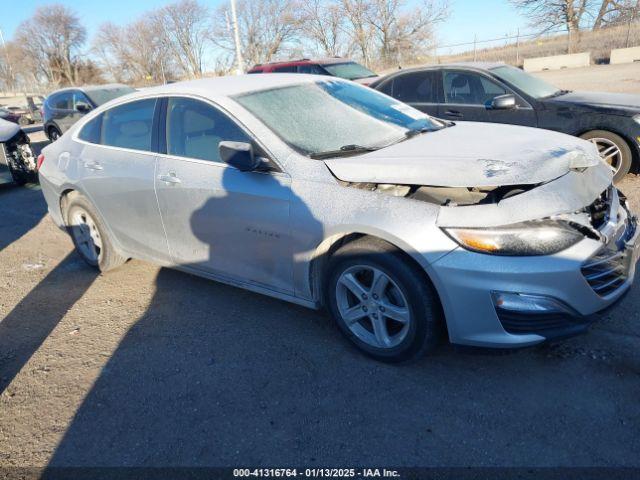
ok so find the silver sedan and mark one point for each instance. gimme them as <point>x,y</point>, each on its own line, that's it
<point>326,193</point>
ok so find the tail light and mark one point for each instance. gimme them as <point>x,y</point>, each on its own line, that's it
<point>40,160</point>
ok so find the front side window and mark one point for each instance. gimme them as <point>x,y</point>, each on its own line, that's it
<point>195,129</point>
<point>311,69</point>
<point>415,87</point>
<point>349,70</point>
<point>129,125</point>
<point>470,88</point>
<point>79,97</point>
<point>327,115</point>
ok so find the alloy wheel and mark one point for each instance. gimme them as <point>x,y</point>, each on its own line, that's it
<point>609,152</point>
<point>373,306</point>
<point>86,235</point>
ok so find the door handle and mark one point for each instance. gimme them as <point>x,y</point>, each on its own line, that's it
<point>169,179</point>
<point>93,166</point>
<point>453,113</point>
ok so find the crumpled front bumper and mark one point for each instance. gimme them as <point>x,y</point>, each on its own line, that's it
<point>468,282</point>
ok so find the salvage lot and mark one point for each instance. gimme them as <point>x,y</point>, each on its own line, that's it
<point>148,366</point>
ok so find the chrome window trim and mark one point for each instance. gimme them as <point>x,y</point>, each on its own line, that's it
<point>159,96</point>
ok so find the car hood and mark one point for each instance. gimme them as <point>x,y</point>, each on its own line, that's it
<point>623,100</point>
<point>471,154</point>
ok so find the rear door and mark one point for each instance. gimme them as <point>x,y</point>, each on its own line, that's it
<point>419,89</point>
<point>218,219</point>
<point>118,162</point>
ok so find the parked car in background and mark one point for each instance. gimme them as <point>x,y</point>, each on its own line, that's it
<point>335,67</point>
<point>16,151</point>
<point>65,107</point>
<point>9,115</point>
<point>495,92</point>
<point>399,223</point>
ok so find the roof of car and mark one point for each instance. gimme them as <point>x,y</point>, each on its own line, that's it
<point>89,88</point>
<point>321,61</point>
<point>470,65</point>
<point>230,85</point>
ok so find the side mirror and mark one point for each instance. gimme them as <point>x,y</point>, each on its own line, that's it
<point>83,107</point>
<point>239,155</point>
<point>504,102</point>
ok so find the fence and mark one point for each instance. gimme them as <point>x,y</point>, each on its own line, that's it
<point>513,49</point>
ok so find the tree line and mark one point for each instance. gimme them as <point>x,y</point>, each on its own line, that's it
<point>188,39</point>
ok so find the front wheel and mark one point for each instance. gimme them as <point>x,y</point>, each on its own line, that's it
<point>54,134</point>
<point>90,236</point>
<point>613,149</point>
<point>382,302</point>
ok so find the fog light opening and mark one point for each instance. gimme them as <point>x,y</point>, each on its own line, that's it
<point>531,304</point>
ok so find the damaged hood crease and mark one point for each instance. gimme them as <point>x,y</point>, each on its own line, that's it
<point>471,155</point>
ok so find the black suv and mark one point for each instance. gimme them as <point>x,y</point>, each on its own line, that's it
<point>495,92</point>
<point>65,107</point>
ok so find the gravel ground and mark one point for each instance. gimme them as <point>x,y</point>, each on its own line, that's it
<point>146,366</point>
<point>623,78</point>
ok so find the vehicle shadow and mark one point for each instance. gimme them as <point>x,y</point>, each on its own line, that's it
<point>29,324</point>
<point>21,209</point>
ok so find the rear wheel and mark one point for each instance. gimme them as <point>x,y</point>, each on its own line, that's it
<point>89,235</point>
<point>54,134</point>
<point>613,149</point>
<point>382,302</point>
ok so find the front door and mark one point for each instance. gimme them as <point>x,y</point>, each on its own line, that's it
<point>218,219</point>
<point>468,96</point>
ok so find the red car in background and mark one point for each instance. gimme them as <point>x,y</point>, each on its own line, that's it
<point>335,67</point>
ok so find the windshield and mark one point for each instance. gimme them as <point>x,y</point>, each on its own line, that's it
<point>529,84</point>
<point>349,70</point>
<point>326,116</point>
<point>100,96</point>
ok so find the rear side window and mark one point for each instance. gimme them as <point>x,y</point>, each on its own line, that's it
<point>129,125</point>
<point>195,129</point>
<point>311,69</point>
<point>415,87</point>
<point>91,132</point>
<point>61,101</point>
<point>286,69</point>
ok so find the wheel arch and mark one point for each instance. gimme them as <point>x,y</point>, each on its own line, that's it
<point>635,150</point>
<point>323,252</point>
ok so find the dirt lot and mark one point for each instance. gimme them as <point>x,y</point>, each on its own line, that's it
<point>145,366</point>
<point>624,78</point>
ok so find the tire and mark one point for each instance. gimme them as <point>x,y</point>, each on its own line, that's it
<point>408,294</point>
<point>54,134</point>
<point>89,235</point>
<point>605,141</point>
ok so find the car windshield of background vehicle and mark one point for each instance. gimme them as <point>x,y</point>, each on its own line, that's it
<point>325,116</point>
<point>103,96</point>
<point>349,70</point>
<point>529,84</point>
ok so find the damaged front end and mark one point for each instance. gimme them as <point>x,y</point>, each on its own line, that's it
<point>18,154</point>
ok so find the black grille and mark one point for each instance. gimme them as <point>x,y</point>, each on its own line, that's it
<point>606,271</point>
<point>540,323</point>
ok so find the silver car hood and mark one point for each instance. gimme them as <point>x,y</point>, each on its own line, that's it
<point>471,155</point>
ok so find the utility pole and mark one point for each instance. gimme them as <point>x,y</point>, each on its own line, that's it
<point>236,35</point>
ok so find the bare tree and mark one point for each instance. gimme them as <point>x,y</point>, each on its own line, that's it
<point>52,38</point>
<point>325,26</point>
<point>357,14</point>
<point>186,26</point>
<point>136,53</point>
<point>547,15</point>
<point>615,12</point>
<point>402,32</point>
<point>267,27</point>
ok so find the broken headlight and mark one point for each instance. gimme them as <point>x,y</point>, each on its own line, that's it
<point>526,238</point>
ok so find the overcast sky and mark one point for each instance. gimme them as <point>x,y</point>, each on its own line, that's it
<point>484,18</point>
